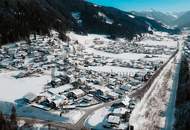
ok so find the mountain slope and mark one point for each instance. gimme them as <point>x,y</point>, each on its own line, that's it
<point>20,18</point>
<point>165,18</point>
<point>184,20</point>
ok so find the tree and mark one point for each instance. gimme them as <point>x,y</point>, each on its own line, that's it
<point>13,120</point>
<point>2,122</point>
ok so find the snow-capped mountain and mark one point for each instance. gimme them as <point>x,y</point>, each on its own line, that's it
<point>165,18</point>
<point>20,18</point>
<point>183,20</point>
<point>180,19</point>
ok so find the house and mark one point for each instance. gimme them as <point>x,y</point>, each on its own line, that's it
<point>77,93</point>
<point>29,97</point>
<point>113,95</point>
<point>134,82</point>
<point>119,91</point>
<point>58,101</point>
<point>124,103</point>
<point>121,111</point>
<point>125,87</point>
<point>100,90</point>
<point>61,89</point>
<point>115,120</point>
<point>59,80</point>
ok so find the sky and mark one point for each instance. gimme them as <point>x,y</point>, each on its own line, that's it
<point>144,5</point>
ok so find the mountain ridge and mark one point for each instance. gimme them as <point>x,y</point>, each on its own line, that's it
<point>20,18</point>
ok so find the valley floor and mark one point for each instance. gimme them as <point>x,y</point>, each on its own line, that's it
<point>112,67</point>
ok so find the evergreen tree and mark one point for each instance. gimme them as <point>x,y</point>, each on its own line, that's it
<point>2,122</point>
<point>13,120</point>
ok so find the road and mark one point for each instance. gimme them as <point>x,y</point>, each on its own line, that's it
<point>80,123</point>
<point>146,114</point>
<point>67,126</point>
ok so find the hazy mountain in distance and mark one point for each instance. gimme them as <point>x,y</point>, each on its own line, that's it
<point>183,20</point>
<point>165,18</point>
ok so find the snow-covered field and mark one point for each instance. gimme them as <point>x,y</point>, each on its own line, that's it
<point>96,119</point>
<point>123,56</point>
<point>126,56</point>
<point>165,39</point>
<point>13,89</point>
<point>166,42</point>
<point>115,69</point>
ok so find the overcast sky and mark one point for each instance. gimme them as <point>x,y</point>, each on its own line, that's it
<point>139,5</point>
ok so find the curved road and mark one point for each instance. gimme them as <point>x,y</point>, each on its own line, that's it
<point>67,126</point>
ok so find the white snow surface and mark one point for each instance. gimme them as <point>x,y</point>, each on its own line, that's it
<point>13,88</point>
<point>115,69</point>
<point>97,117</point>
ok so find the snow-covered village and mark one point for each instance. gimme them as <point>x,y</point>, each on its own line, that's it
<point>93,81</point>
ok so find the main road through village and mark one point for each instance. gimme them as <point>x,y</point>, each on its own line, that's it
<point>66,126</point>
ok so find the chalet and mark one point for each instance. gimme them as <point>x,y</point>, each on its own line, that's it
<point>119,91</point>
<point>124,103</point>
<point>134,82</point>
<point>59,80</point>
<point>114,120</point>
<point>112,95</point>
<point>121,111</point>
<point>77,93</point>
<point>60,90</point>
<point>125,87</point>
<point>58,101</point>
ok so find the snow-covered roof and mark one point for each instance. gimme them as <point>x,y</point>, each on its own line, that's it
<point>120,110</point>
<point>30,96</point>
<point>61,89</point>
<point>112,94</point>
<point>58,101</point>
<point>78,92</point>
<point>125,87</point>
<point>126,101</point>
<point>114,119</point>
